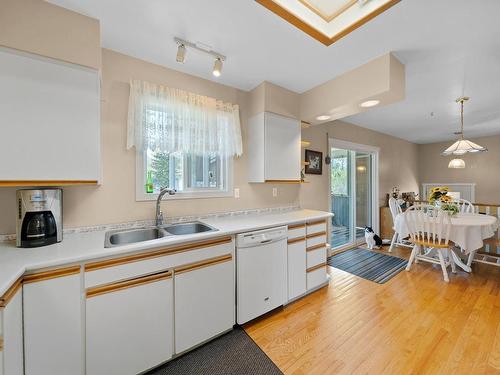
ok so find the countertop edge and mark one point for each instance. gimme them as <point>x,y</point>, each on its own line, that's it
<point>136,248</point>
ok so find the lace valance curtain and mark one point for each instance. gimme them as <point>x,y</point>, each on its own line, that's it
<point>172,120</point>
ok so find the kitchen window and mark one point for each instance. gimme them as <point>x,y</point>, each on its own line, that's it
<point>184,141</point>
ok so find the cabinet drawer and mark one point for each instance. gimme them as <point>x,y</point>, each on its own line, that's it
<point>316,239</point>
<point>136,265</point>
<point>316,276</point>
<point>316,227</point>
<point>316,255</point>
<point>296,231</point>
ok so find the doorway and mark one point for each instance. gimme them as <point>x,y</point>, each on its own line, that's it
<point>353,192</point>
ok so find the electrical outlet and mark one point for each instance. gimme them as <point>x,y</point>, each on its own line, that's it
<point>236,193</point>
<point>275,192</point>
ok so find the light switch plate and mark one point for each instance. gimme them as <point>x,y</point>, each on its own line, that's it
<point>236,193</point>
<point>275,192</point>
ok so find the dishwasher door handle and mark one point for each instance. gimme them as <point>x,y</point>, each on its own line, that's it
<point>261,243</point>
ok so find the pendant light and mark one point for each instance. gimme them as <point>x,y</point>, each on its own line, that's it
<point>456,164</point>
<point>462,146</point>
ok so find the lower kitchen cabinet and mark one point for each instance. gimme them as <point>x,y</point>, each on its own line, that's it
<point>129,325</point>
<point>204,301</point>
<point>53,322</point>
<point>12,322</point>
<point>296,268</point>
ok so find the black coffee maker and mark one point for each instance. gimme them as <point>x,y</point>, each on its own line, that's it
<point>39,217</point>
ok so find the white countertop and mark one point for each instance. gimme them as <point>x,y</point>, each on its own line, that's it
<point>81,247</point>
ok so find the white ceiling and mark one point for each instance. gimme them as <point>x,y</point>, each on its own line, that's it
<point>441,42</point>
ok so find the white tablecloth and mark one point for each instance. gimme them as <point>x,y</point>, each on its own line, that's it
<point>467,230</point>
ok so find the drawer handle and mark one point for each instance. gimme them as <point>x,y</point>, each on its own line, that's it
<point>316,235</point>
<point>316,247</point>
<point>314,268</point>
<point>103,289</point>
<point>203,263</point>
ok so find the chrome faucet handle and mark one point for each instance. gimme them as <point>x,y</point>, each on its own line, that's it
<point>165,190</point>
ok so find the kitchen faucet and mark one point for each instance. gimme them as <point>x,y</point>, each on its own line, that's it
<point>159,214</point>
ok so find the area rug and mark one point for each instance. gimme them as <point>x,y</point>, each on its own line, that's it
<point>234,353</point>
<point>367,264</point>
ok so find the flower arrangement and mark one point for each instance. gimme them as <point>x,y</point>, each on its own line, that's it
<point>440,198</point>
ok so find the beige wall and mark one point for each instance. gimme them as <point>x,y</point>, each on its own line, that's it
<point>382,78</point>
<point>483,169</point>
<point>397,161</point>
<point>39,27</point>
<point>114,201</point>
<point>268,97</point>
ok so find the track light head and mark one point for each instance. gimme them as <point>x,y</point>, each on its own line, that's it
<point>181,53</point>
<point>217,67</point>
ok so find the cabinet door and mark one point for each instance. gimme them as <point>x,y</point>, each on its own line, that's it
<point>204,301</point>
<point>129,325</point>
<point>282,148</point>
<point>296,268</point>
<point>49,109</point>
<point>53,322</point>
<point>13,335</point>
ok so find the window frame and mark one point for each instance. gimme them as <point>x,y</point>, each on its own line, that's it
<point>189,193</point>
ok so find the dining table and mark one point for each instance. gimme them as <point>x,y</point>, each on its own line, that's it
<point>468,232</point>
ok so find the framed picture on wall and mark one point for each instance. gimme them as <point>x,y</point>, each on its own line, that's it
<point>315,160</point>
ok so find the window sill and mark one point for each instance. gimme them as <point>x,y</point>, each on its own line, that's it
<point>144,197</point>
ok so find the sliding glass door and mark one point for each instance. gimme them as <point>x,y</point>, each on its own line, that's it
<point>352,192</point>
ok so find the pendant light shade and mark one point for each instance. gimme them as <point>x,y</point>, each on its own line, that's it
<point>463,146</point>
<point>456,164</point>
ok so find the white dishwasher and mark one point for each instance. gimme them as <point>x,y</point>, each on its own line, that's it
<point>261,272</point>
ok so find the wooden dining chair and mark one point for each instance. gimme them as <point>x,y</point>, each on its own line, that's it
<point>395,211</point>
<point>464,205</point>
<point>429,229</point>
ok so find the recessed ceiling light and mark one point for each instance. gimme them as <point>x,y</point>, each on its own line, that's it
<point>370,103</point>
<point>323,118</point>
<point>217,67</point>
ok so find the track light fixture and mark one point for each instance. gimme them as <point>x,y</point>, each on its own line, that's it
<point>183,45</point>
<point>217,67</point>
<point>181,53</point>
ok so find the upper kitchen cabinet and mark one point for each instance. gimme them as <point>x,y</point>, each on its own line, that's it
<point>49,121</point>
<point>274,148</point>
<point>50,59</point>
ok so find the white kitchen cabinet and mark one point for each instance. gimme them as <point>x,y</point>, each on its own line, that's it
<point>129,325</point>
<point>274,148</point>
<point>12,332</point>
<point>49,120</point>
<point>52,309</point>
<point>204,301</point>
<point>296,268</point>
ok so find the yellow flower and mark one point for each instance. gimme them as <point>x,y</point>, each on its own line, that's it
<point>444,189</point>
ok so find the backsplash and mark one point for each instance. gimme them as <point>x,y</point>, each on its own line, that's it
<point>171,220</point>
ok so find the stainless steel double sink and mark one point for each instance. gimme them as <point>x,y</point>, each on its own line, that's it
<point>127,236</point>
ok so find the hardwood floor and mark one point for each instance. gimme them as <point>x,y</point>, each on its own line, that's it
<point>414,324</point>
